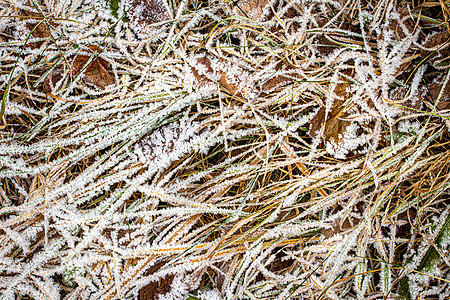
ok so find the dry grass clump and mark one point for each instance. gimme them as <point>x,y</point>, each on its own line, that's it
<point>224,150</point>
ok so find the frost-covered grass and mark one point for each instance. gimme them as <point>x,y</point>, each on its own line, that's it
<point>181,149</point>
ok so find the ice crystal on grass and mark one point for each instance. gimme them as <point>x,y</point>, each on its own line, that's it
<point>348,142</point>
<point>409,127</point>
<point>209,294</point>
<point>178,289</point>
<point>261,150</point>
<point>159,145</point>
<point>206,71</point>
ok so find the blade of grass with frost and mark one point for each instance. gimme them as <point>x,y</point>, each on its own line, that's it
<point>81,153</point>
<point>39,126</point>
<point>341,250</point>
<point>38,259</point>
<point>109,210</point>
<point>327,201</point>
<point>168,43</point>
<point>52,67</point>
<point>210,35</point>
<point>122,132</point>
<point>255,267</point>
<point>86,183</point>
<point>195,18</point>
<point>386,281</point>
<point>325,66</point>
<point>362,281</point>
<point>408,167</point>
<point>177,211</point>
<point>232,217</point>
<point>249,255</point>
<point>419,262</point>
<point>11,74</point>
<point>252,183</point>
<point>306,278</point>
<point>417,152</point>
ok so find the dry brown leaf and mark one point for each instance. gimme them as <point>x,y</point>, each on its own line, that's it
<point>339,228</point>
<point>204,77</point>
<point>334,124</point>
<point>274,82</point>
<point>96,73</point>
<point>148,12</point>
<point>317,122</point>
<point>149,291</point>
<point>252,9</point>
<point>400,95</point>
<point>435,88</point>
<point>202,80</point>
<point>440,42</point>
<point>324,46</point>
<point>51,80</point>
<point>39,31</point>
<point>278,80</point>
<point>230,88</point>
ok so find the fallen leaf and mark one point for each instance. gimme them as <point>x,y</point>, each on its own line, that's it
<point>204,74</point>
<point>435,88</point>
<point>200,74</point>
<point>96,73</point>
<point>278,80</point>
<point>440,42</point>
<point>39,31</point>
<point>51,80</point>
<point>150,291</point>
<point>317,122</point>
<point>334,124</point>
<point>400,97</point>
<point>339,227</point>
<point>148,12</point>
<point>252,9</point>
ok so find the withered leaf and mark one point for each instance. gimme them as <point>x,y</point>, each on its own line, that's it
<point>339,228</point>
<point>334,124</point>
<point>435,88</point>
<point>39,31</point>
<point>201,79</point>
<point>437,41</point>
<point>148,12</point>
<point>278,80</point>
<point>317,122</point>
<point>400,96</point>
<point>275,81</point>
<point>324,46</point>
<point>252,9</point>
<point>230,88</point>
<point>204,77</point>
<point>150,291</point>
<point>52,79</point>
<point>96,73</point>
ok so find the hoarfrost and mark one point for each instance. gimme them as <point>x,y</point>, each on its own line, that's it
<point>210,294</point>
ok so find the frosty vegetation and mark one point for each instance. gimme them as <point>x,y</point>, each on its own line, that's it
<point>190,149</point>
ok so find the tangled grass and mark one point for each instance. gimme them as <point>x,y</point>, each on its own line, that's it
<point>224,150</point>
